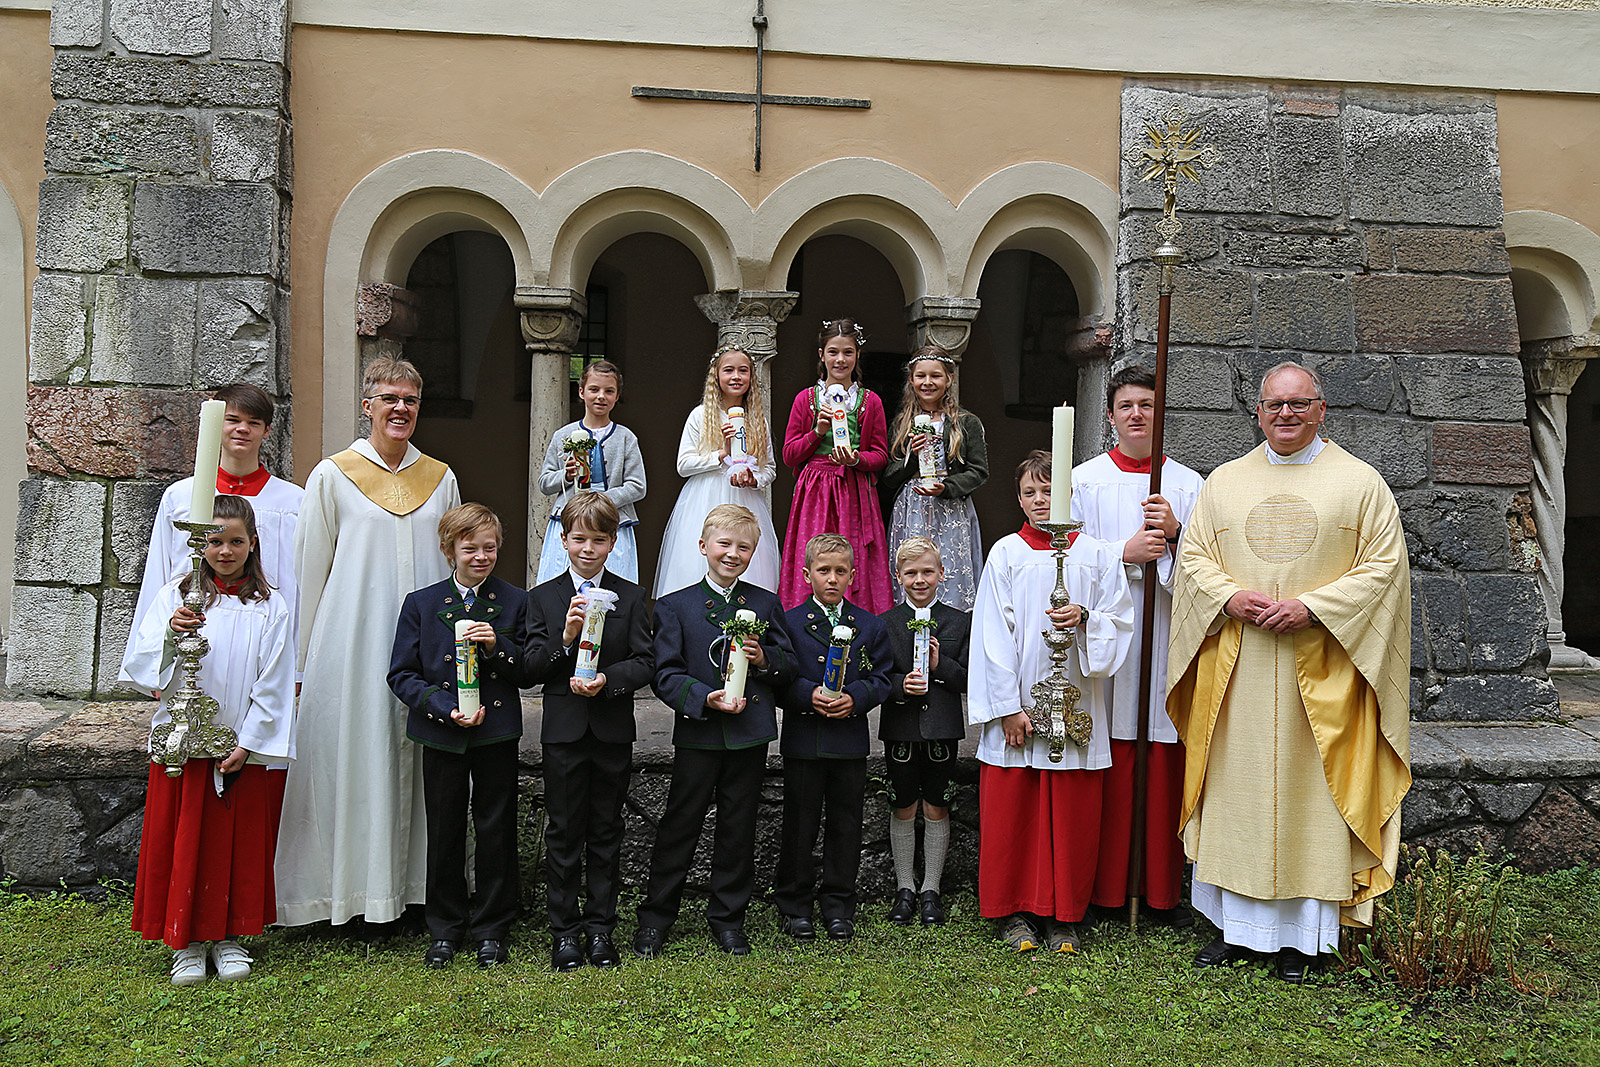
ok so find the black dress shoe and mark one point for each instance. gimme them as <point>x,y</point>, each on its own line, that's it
<point>905,906</point>
<point>932,909</point>
<point>1294,965</point>
<point>566,954</point>
<point>492,952</point>
<point>1219,953</point>
<point>732,941</point>
<point>799,927</point>
<point>648,941</point>
<point>603,951</point>
<point>840,929</point>
<point>439,955</point>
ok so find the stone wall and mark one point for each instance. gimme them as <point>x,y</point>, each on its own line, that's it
<point>1358,231</point>
<point>163,267</point>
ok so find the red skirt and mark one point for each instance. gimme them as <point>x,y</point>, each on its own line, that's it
<point>1038,838</point>
<point>205,862</point>
<point>1163,848</point>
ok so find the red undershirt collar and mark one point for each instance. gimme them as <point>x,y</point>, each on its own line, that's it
<point>1129,464</point>
<point>1037,538</point>
<point>230,588</point>
<point>250,485</point>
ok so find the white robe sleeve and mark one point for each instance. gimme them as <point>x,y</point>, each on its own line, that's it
<point>149,659</point>
<point>166,557</point>
<point>1107,631</point>
<point>691,460</point>
<point>268,727</point>
<point>992,684</point>
<point>316,533</point>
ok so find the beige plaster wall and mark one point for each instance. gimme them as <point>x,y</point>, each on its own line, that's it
<point>538,108</point>
<point>1550,155</point>
<point>25,103</point>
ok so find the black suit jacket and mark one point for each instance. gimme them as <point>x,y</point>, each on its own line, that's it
<point>688,627</point>
<point>808,735</point>
<point>422,669</point>
<point>626,659</point>
<point>938,715</point>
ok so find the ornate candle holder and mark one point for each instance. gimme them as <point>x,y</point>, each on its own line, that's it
<point>1055,714</point>
<point>191,734</point>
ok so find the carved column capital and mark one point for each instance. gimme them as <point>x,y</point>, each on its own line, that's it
<point>551,317</point>
<point>945,321</point>
<point>386,311</point>
<point>1553,367</point>
<point>747,319</point>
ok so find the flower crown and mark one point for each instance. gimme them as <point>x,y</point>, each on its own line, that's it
<point>723,350</point>
<point>856,330</point>
<point>946,360</point>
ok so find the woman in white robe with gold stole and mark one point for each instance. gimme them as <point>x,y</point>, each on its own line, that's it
<point>1289,682</point>
<point>353,839</point>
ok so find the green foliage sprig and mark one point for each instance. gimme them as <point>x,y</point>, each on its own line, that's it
<point>738,629</point>
<point>928,624</point>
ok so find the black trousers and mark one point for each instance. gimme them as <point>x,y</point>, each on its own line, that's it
<point>483,778</point>
<point>825,794</point>
<point>730,779</point>
<point>585,782</point>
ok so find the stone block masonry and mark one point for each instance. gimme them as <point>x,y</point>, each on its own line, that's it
<point>1358,231</point>
<point>162,230</point>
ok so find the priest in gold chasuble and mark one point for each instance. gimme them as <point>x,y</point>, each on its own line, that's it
<point>1289,684</point>
<point>353,837</point>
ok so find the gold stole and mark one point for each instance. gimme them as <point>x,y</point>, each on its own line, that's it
<point>397,492</point>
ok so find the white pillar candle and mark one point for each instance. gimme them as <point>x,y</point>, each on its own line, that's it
<point>737,450</point>
<point>580,446</point>
<point>738,662</point>
<point>1061,465</point>
<point>921,644</point>
<point>839,416</point>
<point>600,601</point>
<point>838,657</point>
<point>207,457</point>
<point>467,698</point>
<point>927,467</point>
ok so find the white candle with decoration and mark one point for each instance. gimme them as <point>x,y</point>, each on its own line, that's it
<point>207,457</point>
<point>927,464</point>
<point>737,449</point>
<point>921,626</point>
<point>467,698</point>
<point>838,659</point>
<point>580,446</point>
<point>1061,465</point>
<point>738,663</point>
<point>599,601</point>
<point>839,416</point>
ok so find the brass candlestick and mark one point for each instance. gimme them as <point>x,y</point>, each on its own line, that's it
<point>1055,713</point>
<point>191,734</point>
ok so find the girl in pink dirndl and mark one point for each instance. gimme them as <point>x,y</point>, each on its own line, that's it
<point>834,488</point>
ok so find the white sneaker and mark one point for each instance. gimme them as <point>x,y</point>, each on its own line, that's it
<point>232,961</point>
<point>189,964</point>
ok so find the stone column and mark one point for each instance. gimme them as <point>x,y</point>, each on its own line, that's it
<point>163,229</point>
<point>945,321</point>
<point>551,318</point>
<point>748,320</point>
<point>1551,370</point>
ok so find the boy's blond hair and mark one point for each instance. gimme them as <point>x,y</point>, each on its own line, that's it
<point>734,519</point>
<point>912,547</point>
<point>592,509</point>
<point>464,520</point>
<point>826,544</point>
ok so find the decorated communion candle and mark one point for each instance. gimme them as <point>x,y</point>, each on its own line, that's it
<point>1061,465</point>
<point>737,450</point>
<point>594,625</point>
<point>579,444</point>
<point>926,463</point>
<point>839,414</point>
<point>207,457</point>
<point>833,669</point>
<point>738,662</point>
<point>467,698</point>
<point>920,649</point>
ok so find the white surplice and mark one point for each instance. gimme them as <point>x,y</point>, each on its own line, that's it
<point>1109,501</point>
<point>353,840</point>
<point>249,670</point>
<point>1009,653</point>
<point>681,562</point>
<point>277,506</point>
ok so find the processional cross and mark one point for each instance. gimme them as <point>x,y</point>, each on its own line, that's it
<point>760,97</point>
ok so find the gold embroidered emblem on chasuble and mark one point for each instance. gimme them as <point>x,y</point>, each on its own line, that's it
<point>1281,528</point>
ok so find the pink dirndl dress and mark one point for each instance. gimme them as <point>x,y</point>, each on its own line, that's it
<point>830,498</point>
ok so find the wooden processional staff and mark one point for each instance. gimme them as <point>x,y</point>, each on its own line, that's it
<point>1172,152</point>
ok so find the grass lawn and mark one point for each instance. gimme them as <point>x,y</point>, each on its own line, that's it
<point>76,987</point>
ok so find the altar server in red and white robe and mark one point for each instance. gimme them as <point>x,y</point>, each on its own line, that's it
<point>1111,497</point>
<point>1039,821</point>
<point>205,857</point>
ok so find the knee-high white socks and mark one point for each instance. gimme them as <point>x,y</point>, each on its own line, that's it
<point>903,849</point>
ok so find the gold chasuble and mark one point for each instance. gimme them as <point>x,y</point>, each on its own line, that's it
<point>397,492</point>
<point>1297,745</point>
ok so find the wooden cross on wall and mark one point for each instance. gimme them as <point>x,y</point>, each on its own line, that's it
<point>759,98</point>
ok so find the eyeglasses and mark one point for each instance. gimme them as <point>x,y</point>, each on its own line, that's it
<point>393,401</point>
<point>1297,404</point>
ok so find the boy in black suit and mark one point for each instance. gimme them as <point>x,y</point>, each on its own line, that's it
<point>588,730</point>
<point>825,743</point>
<point>720,741</point>
<point>467,758</point>
<point>921,727</point>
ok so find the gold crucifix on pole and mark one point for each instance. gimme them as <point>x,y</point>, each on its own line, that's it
<point>1172,151</point>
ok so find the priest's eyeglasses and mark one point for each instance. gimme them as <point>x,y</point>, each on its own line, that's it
<point>390,400</point>
<point>1297,404</point>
